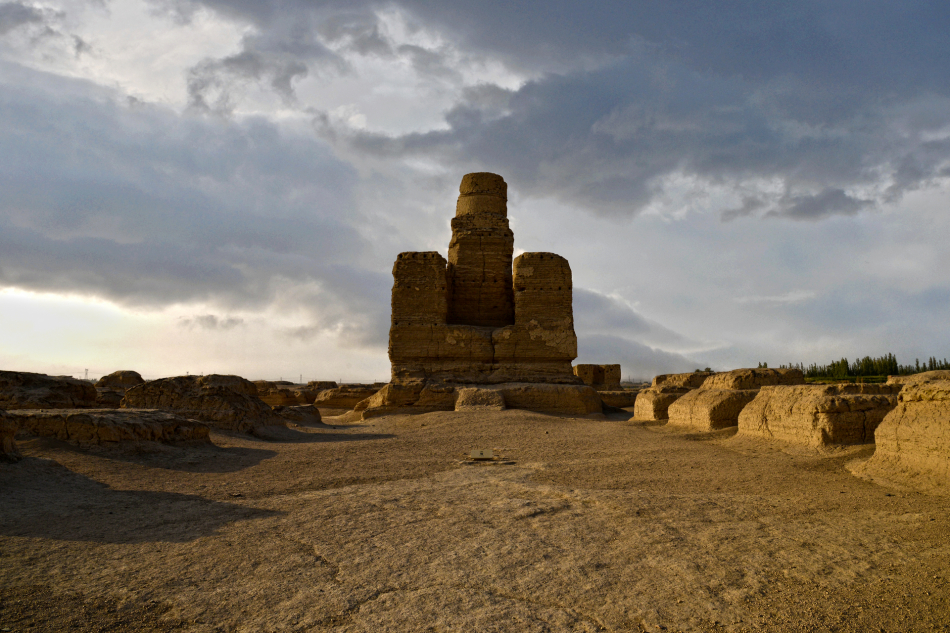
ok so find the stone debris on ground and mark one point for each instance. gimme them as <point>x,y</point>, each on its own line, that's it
<point>106,426</point>
<point>221,401</point>
<point>818,415</point>
<point>912,443</point>
<point>26,390</point>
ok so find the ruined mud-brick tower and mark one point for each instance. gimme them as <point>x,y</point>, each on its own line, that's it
<point>480,318</point>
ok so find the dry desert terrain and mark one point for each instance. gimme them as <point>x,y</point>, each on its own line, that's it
<point>385,525</point>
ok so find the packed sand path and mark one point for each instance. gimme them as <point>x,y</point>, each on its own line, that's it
<point>579,525</point>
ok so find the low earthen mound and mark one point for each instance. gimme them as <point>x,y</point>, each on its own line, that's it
<point>122,379</point>
<point>299,414</point>
<point>224,402</point>
<point>103,426</point>
<point>710,409</point>
<point>8,448</point>
<point>282,396</point>
<point>818,415</point>
<point>321,385</point>
<point>913,441</point>
<point>914,379</point>
<point>25,390</point>
<point>479,399</point>
<point>753,378</point>
<point>621,399</point>
<point>654,403</point>
<point>690,380</point>
<point>344,396</point>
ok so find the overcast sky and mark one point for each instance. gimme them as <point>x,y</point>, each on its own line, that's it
<point>223,185</point>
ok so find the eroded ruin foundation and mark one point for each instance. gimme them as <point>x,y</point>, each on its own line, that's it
<point>481,318</point>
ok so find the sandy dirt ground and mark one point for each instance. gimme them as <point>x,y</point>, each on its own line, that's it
<point>580,525</point>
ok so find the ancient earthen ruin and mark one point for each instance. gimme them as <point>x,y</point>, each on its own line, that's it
<point>818,415</point>
<point>481,318</point>
<point>912,443</point>
<point>717,403</point>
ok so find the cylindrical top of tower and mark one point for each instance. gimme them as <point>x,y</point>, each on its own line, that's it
<point>482,192</point>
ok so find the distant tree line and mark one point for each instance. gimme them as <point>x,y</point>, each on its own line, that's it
<point>886,365</point>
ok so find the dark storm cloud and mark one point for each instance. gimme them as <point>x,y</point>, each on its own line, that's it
<point>637,361</point>
<point>145,208</point>
<point>824,99</point>
<point>595,313</point>
<point>16,14</point>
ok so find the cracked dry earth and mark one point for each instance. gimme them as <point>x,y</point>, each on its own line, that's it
<point>597,525</point>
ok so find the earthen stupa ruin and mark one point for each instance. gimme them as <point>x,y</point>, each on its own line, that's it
<point>481,320</point>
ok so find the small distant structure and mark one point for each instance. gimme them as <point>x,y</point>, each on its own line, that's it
<point>600,377</point>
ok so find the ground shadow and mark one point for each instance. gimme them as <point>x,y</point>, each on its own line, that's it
<point>312,434</point>
<point>195,457</point>
<point>43,499</point>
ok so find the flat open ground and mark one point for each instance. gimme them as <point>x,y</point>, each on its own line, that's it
<point>597,525</point>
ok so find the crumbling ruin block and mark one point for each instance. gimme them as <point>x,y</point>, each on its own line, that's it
<point>710,409</point>
<point>717,403</point>
<point>654,403</point>
<point>912,443</point>
<point>600,377</point>
<point>818,415</point>
<point>224,402</point>
<point>120,380</point>
<point>479,318</point>
<point>105,426</point>
<point>25,390</point>
<point>479,399</point>
<point>344,396</point>
<point>753,378</point>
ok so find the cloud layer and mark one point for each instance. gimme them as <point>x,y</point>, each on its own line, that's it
<point>729,181</point>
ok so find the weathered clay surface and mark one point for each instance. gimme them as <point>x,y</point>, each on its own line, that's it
<point>25,390</point>
<point>654,403</point>
<point>109,398</point>
<point>913,441</point>
<point>478,318</point>
<point>277,395</point>
<point>478,275</point>
<point>600,377</point>
<point>122,379</point>
<point>753,378</point>
<point>225,402</point>
<point>710,409</point>
<point>101,426</point>
<point>8,448</point>
<point>818,415</point>
<point>621,398</point>
<point>914,379</point>
<point>479,399</point>
<point>690,380</point>
<point>344,396</point>
<point>299,414</point>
